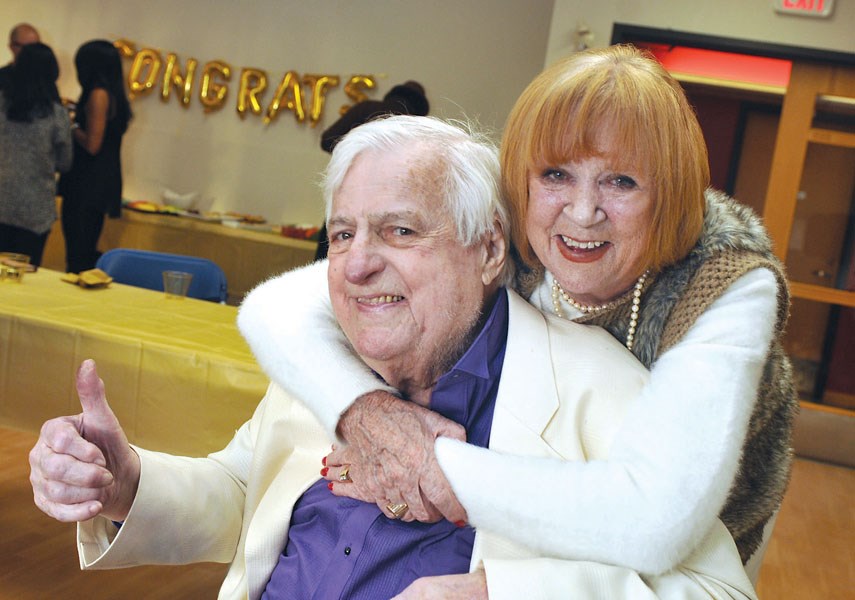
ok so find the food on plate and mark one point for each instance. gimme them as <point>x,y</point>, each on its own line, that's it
<point>150,207</point>
<point>301,232</point>
<point>244,218</point>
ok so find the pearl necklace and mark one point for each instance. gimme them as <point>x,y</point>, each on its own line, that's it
<point>558,293</point>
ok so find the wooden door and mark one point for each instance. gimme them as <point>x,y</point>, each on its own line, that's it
<point>808,210</point>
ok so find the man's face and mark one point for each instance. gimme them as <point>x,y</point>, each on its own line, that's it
<point>406,293</point>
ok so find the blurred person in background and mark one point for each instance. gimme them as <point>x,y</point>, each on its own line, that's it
<point>92,187</point>
<point>35,134</point>
<point>407,98</point>
<point>21,35</point>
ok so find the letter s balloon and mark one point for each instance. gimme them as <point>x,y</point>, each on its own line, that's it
<point>354,89</point>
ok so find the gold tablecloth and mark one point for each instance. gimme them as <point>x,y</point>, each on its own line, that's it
<point>247,257</point>
<point>178,374</point>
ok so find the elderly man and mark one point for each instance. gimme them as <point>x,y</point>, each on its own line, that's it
<point>21,35</point>
<point>417,263</point>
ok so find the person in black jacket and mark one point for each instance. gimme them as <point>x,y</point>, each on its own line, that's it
<point>405,99</point>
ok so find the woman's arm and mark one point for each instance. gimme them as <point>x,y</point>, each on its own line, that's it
<point>97,108</point>
<point>712,571</point>
<point>671,464</point>
<point>289,324</point>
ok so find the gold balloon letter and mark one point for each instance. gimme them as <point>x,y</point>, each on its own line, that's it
<point>126,48</point>
<point>319,85</point>
<point>143,72</point>
<point>354,90</point>
<point>213,94</point>
<point>252,83</point>
<point>290,95</point>
<point>172,76</point>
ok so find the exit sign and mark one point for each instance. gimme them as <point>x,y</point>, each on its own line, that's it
<point>805,8</point>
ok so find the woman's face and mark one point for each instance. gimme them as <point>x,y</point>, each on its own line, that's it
<point>589,223</point>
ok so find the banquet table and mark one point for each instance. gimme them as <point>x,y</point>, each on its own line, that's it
<point>247,256</point>
<point>178,374</point>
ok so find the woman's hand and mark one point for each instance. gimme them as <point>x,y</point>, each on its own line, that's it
<point>390,459</point>
<point>471,586</point>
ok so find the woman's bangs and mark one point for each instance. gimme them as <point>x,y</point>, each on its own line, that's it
<point>556,139</point>
<point>590,129</point>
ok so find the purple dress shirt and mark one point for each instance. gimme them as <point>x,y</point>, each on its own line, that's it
<point>344,548</point>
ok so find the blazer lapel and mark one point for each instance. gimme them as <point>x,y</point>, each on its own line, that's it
<point>283,477</point>
<point>527,398</point>
<point>525,404</point>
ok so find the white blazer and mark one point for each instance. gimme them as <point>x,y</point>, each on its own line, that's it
<point>235,505</point>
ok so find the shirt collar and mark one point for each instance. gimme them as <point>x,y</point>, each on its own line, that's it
<point>488,344</point>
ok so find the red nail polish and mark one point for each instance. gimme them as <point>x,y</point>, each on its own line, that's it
<point>324,461</point>
<point>460,523</point>
<point>329,485</point>
<point>324,471</point>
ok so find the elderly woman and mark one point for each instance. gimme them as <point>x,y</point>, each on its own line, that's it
<point>605,166</point>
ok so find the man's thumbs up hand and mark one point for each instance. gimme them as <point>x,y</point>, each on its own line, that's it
<point>82,465</point>
<point>97,417</point>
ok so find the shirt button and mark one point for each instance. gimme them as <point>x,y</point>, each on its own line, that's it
<point>347,551</point>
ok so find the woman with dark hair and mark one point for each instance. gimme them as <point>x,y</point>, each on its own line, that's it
<point>93,186</point>
<point>35,134</point>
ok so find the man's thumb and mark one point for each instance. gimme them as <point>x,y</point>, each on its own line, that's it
<point>90,390</point>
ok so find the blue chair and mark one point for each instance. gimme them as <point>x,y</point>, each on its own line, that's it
<point>144,268</point>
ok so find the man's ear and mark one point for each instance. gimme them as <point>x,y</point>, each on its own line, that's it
<point>495,253</point>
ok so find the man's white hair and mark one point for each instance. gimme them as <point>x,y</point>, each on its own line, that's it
<point>472,191</point>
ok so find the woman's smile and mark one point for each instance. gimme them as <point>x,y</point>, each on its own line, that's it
<point>580,252</point>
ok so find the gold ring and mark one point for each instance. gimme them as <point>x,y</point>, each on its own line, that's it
<point>397,510</point>
<point>345,474</point>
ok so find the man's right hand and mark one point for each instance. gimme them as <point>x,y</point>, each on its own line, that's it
<point>82,465</point>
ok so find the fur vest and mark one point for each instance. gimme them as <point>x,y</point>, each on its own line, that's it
<point>733,242</point>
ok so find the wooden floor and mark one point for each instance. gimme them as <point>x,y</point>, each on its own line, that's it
<point>811,554</point>
<point>812,551</point>
<point>39,557</point>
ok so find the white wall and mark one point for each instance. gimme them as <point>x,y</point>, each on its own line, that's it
<point>743,19</point>
<point>473,57</point>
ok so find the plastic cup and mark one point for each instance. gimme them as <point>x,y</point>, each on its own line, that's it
<point>176,284</point>
<point>13,266</point>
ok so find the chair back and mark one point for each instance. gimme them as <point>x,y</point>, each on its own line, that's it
<point>144,268</point>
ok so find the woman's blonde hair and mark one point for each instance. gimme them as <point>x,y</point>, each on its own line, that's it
<point>628,94</point>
